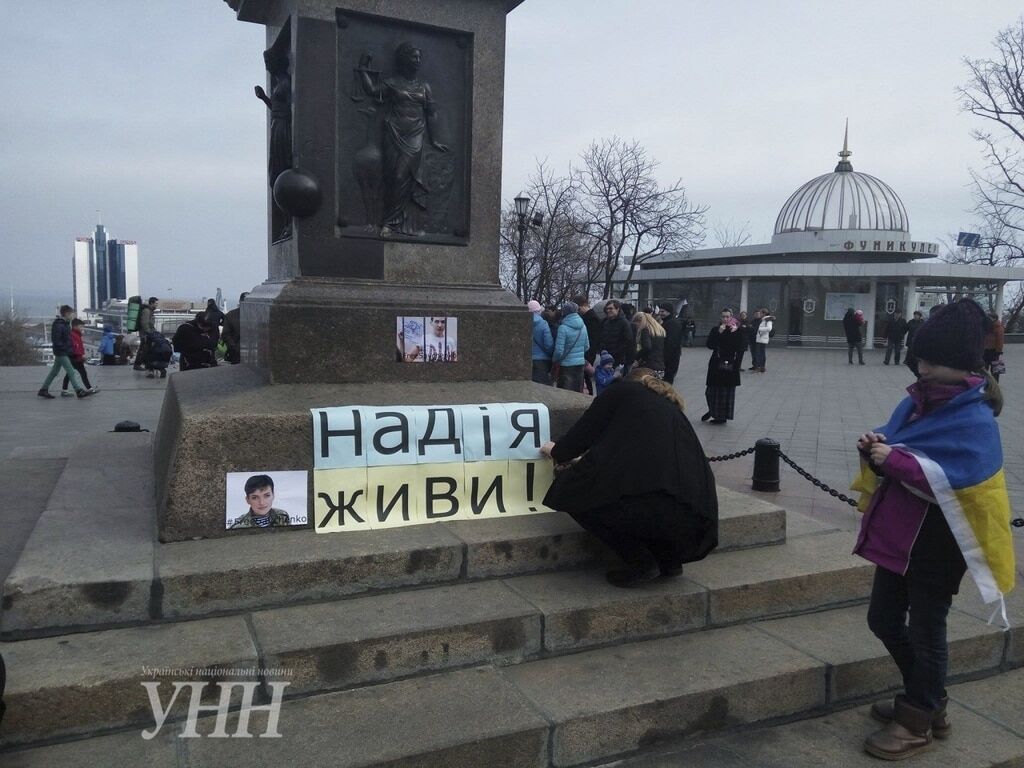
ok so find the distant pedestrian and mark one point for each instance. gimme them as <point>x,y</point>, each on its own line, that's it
<point>231,334</point>
<point>895,331</point>
<point>726,344</point>
<point>570,345</point>
<point>593,323</point>
<point>852,322</point>
<point>650,343</point>
<point>745,332</point>
<point>147,323</point>
<point>108,350</point>
<point>673,339</point>
<point>77,360</point>
<point>60,339</point>
<point>935,505</point>
<point>690,330</point>
<point>214,318</point>
<point>543,345</point>
<point>764,329</point>
<point>617,335</point>
<point>915,322</point>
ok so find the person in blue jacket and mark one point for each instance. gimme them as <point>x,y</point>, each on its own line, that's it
<point>571,345</point>
<point>543,345</point>
<point>107,346</point>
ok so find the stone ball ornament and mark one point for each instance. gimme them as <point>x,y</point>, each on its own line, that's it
<point>297,193</point>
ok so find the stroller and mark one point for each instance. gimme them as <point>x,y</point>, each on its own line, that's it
<point>158,354</point>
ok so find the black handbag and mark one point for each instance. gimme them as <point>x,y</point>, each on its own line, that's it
<point>727,366</point>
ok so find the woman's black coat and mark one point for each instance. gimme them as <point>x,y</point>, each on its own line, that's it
<point>615,465</point>
<point>728,346</point>
<point>852,328</point>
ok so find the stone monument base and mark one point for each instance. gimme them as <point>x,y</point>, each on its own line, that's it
<point>231,419</point>
<point>327,331</point>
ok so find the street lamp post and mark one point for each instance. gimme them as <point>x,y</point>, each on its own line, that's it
<point>522,206</point>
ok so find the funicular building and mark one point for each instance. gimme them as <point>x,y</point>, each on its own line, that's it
<point>841,240</point>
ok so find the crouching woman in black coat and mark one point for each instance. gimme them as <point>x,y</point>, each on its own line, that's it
<point>652,502</point>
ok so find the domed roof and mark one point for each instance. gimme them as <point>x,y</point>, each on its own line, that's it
<point>843,199</point>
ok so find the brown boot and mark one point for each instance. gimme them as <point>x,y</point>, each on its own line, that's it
<point>908,734</point>
<point>941,728</point>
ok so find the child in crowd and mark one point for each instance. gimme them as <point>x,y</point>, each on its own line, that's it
<point>605,373</point>
<point>935,505</point>
<point>77,360</point>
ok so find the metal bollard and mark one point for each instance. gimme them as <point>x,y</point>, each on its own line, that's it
<point>766,465</point>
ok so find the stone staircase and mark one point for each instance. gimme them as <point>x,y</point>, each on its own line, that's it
<point>495,643</point>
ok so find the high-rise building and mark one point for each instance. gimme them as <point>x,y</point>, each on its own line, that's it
<point>104,268</point>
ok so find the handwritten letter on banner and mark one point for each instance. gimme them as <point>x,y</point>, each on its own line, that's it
<point>378,467</point>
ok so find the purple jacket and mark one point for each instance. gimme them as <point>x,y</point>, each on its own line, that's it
<point>890,526</point>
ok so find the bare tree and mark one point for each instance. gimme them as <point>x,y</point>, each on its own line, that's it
<point>729,234</point>
<point>995,92</point>
<point>624,215</point>
<point>554,263</point>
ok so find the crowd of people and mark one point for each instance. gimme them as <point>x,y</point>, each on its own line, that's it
<point>932,485</point>
<point>209,337</point>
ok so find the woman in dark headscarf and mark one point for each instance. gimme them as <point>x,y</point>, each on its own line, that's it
<point>656,508</point>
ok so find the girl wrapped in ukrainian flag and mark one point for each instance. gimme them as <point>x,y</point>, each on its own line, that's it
<point>935,505</point>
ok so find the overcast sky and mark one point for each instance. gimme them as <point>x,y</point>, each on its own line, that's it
<point>144,109</point>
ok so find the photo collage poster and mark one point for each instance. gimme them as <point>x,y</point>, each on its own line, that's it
<point>427,339</point>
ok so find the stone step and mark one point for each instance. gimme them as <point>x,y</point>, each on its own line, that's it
<point>97,679</point>
<point>564,711</point>
<point>93,562</point>
<point>988,732</point>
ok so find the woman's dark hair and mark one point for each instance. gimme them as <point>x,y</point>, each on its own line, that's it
<point>256,482</point>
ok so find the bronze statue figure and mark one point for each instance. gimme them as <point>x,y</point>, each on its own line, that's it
<point>409,115</point>
<point>280,105</point>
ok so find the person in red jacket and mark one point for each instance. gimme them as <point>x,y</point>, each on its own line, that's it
<point>77,360</point>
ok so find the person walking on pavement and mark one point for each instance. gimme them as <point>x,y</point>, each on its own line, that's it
<point>617,335</point>
<point>570,345</point>
<point>894,333</point>
<point>77,360</point>
<point>852,322</point>
<point>60,339</point>
<point>673,339</point>
<point>915,322</point>
<point>543,345</point>
<point>146,324</point>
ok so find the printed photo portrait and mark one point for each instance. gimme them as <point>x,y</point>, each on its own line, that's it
<point>441,340</point>
<point>265,499</point>
<point>410,332</point>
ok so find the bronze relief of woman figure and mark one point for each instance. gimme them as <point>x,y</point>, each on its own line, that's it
<point>279,102</point>
<point>409,116</point>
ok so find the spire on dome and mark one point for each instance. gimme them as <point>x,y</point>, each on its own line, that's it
<point>844,163</point>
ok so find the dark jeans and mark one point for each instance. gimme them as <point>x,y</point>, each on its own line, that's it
<point>570,377</point>
<point>919,646</point>
<point>78,365</point>
<point>760,354</point>
<point>140,356</point>
<point>642,530</point>
<point>859,346</point>
<point>893,346</point>
<point>542,371</point>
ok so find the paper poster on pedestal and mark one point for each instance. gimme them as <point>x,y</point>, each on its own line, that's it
<point>266,499</point>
